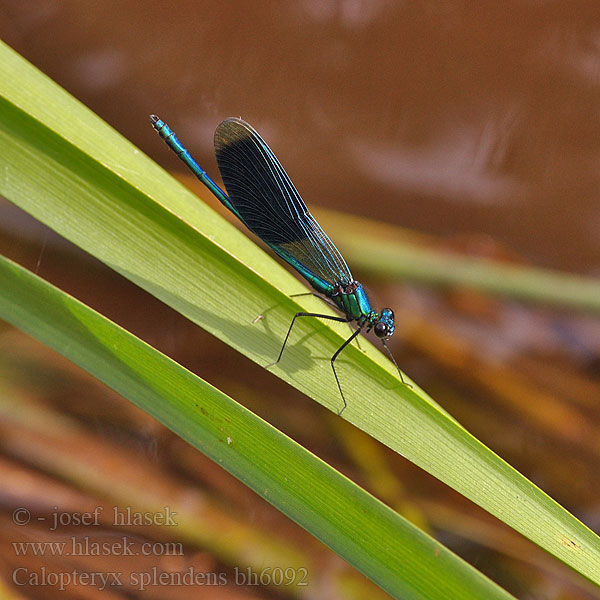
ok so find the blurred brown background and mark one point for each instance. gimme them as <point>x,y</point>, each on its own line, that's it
<point>443,116</point>
<point>476,123</point>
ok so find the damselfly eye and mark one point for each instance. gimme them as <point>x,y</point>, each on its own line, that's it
<point>380,330</point>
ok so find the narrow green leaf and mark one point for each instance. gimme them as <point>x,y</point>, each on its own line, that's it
<point>392,552</point>
<point>67,168</point>
<point>372,249</point>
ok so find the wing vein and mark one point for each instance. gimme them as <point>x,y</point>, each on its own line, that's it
<point>269,204</point>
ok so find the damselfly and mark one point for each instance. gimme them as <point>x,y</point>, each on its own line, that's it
<point>262,196</point>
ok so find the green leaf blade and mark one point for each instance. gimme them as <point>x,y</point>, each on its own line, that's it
<point>385,547</point>
<point>77,175</point>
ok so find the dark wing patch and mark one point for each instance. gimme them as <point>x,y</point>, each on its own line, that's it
<point>269,204</point>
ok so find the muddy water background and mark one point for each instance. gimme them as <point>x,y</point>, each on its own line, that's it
<point>443,116</point>
<point>457,119</point>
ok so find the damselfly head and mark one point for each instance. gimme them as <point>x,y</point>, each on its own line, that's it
<point>384,328</point>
